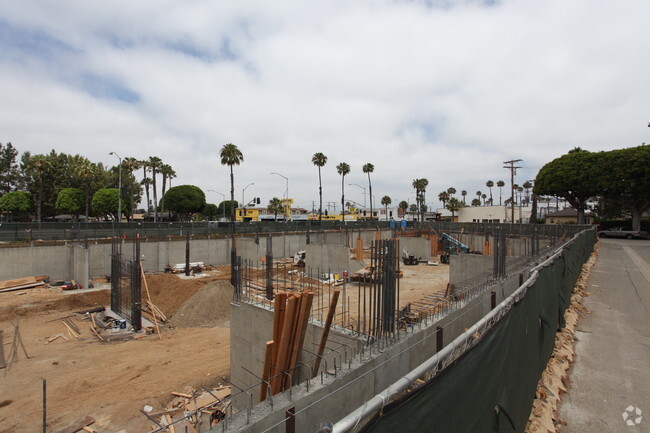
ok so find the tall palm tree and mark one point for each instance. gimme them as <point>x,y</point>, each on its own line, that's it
<point>463,193</point>
<point>369,168</point>
<point>231,155</point>
<point>319,160</point>
<point>527,185</point>
<point>420,186</point>
<point>275,206</point>
<point>154,164</point>
<point>386,201</point>
<point>478,194</point>
<point>483,196</point>
<point>500,184</point>
<point>520,189</point>
<point>132,164</point>
<point>146,182</point>
<point>343,169</point>
<point>490,184</point>
<point>167,173</point>
<point>451,191</point>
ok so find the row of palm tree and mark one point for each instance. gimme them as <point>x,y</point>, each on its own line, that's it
<point>155,166</point>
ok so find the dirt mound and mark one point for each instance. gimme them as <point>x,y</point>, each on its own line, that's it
<point>209,307</point>
<point>170,291</point>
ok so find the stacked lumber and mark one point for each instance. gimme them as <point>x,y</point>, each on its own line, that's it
<point>23,283</point>
<point>290,319</point>
<point>193,411</point>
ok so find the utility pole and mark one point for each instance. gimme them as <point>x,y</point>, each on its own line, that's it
<point>513,170</point>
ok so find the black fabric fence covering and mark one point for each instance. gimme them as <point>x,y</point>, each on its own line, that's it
<point>491,388</point>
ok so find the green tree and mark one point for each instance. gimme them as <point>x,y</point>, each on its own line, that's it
<point>463,193</point>
<point>369,168</point>
<point>210,211</point>
<point>226,205</point>
<point>185,200</point>
<point>527,186</point>
<point>454,206</point>
<point>9,172</point>
<point>476,202</point>
<point>18,203</point>
<point>420,186</point>
<point>624,179</point>
<point>231,156</point>
<point>500,184</point>
<point>478,195</point>
<point>71,201</point>
<point>343,169</point>
<point>35,168</point>
<point>413,209</point>
<point>105,202</point>
<point>167,173</point>
<point>319,160</point>
<point>451,191</point>
<point>386,201</point>
<point>134,188</point>
<point>483,196</point>
<point>146,183</point>
<point>571,176</point>
<point>490,184</point>
<point>154,164</point>
<point>275,207</point>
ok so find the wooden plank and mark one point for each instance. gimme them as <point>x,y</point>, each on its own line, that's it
<point>26,286</point>
<point>72,332</point>
<point>278,380</point>
<point>78,425</point>
<point>266,369</point>
<point>72,325</point>
<point>146,288</point>
<point>94,331</point>
<point>303,322</point>
<point>180,394</point>
<point>280,305</point>
<point>168,418</point>
<point>18,282</point>
<point>326,331</point>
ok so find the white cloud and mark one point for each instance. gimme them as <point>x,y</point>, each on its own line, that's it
<point>446,93</point>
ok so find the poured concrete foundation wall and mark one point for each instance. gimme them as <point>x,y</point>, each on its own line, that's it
<point>336,396</point>
<point>465,266</point>
<point>417,247</point>
<point>251,326</point>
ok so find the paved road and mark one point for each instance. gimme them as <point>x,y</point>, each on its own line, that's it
<point>612,369</point>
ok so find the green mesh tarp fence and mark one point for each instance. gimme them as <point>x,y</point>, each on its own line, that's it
<point>491,388</point>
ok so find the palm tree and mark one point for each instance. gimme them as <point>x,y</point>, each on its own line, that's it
<point>520,190</point>
<point>319,160</point>
<point>500,184</point>
<point>132,164</point>
<point>275,206</point>
<point>385,201</point>
<point>463,193</point>
<point>483,196</point>
<point>343,169</point>
<point>167,173</point>
<point>413,209</point>
<point>36,166</point>
<point>444,198</point>
<point>490,184</point>
<point>369,168</point>
<point>515,188</point>
<point>478,194</point>
<point>146,182</point>
<point>454,206</point>
<point>154,164</point>
<point>476,202</point>
<point>527,185</point>
<point>403,206</point>
<point>451,191</point>
<point>231,155</point>
<point>420,186</point>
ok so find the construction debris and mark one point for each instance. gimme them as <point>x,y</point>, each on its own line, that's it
<point>24,283</point>
<point>192,411</point>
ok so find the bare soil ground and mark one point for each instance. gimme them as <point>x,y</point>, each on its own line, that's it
<point>112,381</point>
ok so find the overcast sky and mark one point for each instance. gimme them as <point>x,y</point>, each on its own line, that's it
<point>445,90</point>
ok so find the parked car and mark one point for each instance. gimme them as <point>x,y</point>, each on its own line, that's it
<point>620,232</point>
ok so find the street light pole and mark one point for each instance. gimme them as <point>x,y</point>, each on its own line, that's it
<point>222,200</point>
<point>119,195</point>
<point>287,183</point>
<point>364,193</point>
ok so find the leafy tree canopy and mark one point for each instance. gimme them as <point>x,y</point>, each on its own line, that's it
<point>71,200</point>
<point>19,203</point>
<point>185,200</point>
<point>106,201</point>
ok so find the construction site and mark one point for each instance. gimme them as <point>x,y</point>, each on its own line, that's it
<point>258,332</point>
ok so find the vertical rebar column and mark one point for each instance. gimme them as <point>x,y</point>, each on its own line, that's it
<point>187,255</point>
<point>115,276</point>
<point>136,293</point>
<point>269,268</point>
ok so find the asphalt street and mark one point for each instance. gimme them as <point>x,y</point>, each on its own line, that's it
<point>610,380</point>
